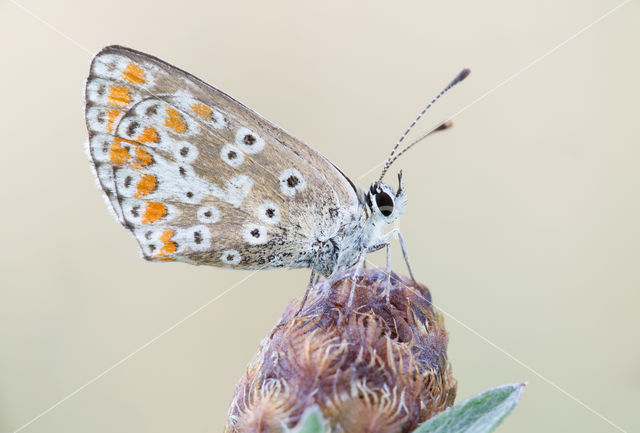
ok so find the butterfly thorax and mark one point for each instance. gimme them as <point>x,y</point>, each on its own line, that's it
<point>361,230</point>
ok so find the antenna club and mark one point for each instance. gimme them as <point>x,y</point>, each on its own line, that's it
<point>446,125</point>
<point>461,76</point>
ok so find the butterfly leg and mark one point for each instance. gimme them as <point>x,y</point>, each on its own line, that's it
<point>309,286</point>
<point>403,247</point>
<point>385,242</point>
<point>387,290</point>
<point>356,271</point>
<point>406,255</point>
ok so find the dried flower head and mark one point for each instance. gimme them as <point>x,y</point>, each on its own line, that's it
<point>375,367</point>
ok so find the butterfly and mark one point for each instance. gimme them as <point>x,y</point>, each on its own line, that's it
<point>198,177</point>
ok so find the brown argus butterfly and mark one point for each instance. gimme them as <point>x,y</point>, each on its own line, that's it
<point>197,177</point>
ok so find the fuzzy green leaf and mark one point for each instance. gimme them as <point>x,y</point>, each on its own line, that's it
<point>311,422</point>
<point>479,414</point>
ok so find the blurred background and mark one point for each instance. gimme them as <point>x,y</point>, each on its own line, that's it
<point>523,219</point>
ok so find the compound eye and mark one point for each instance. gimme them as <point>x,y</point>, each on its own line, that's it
<point>385,203</point>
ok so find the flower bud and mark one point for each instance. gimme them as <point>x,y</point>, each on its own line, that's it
<point>375,366</point>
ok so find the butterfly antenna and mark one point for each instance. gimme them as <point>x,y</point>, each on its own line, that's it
<point>461,76</point>
<point>443,126</point>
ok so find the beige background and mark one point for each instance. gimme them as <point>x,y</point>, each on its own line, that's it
<point>523,219</point>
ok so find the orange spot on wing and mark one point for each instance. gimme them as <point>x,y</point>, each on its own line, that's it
<point>153,212</point>
<point>112,115</point>
<point>201,110</point>
<point>133,74</point>
<point>148,135</point>
<point>146,185</point>
<point>118,96</point>
<point>174,121</point>
<point>169,246</point>
<point>143,157</point>
<point>117,153</point>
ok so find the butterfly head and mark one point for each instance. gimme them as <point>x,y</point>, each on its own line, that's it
<point>386,205</point>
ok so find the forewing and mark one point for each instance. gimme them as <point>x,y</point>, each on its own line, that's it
<point>198,177</point>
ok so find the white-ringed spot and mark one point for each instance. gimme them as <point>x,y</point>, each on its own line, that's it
<point>151,109</point>
<point>185,152</point>
<point>232,155</point>
<point>187,192</point>
<point>100,147</point>
<point>130,127</point>
<point>149,240</point>
<point>230,257</point>
<point>126,181</point>
<point>248,141</point>
<point>217,120</point>
<point>98,90</point>
<point>100,119</point>
<point>269,212</point>
<point>254,234</point>
<point>208,214</point>
<point>291,182</point>
<point>196,238</point>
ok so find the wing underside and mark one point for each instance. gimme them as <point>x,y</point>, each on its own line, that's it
<point>198,177</point>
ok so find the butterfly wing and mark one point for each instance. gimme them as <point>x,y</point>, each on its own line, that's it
<point>198,177</point>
